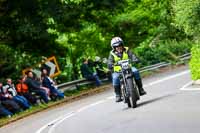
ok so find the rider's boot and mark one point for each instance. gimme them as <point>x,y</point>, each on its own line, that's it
<point>118,93</point>
<point>140,87</point>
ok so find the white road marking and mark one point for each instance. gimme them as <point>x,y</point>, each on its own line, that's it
<point>52,123</point>
<point>191,89</point>
<point>52,129</point>
<point>186,88</point>
<point>83,108</point>
<point>90,105</point>
<point>99,102</point>
<point>59,120</point>
<point>111,97</point>
<point>168,78</point>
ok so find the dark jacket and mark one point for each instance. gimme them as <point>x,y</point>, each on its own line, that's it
<point>33,84</point>
<point>86,71</point>
<point>2,94</point>
<point>46,82</point>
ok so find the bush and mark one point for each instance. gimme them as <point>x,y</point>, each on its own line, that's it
<point>13,61</point>
<point>195,62</point>
<point>7,62</point>
<point>167,50</point>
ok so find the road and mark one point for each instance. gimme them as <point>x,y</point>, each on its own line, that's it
<point>167,108</point>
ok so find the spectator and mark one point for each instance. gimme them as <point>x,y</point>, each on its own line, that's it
<point>22,89</point>
<point>102,68</point>
<point>49,83</point>
<point>35,86</point>
<point>7,101</point>
<point>99,67</point>
<point>105,67</point>
<point>88,73</point>
<point>21,100</point>
<point>4,111</point>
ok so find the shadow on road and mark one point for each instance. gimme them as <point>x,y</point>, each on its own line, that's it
<point>156,99</point>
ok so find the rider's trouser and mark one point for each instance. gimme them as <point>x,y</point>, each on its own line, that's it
<point>117,90</point>
<point>136,75</point>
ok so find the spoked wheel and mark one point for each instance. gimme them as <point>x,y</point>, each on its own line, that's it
<point>132,99</point>
<point>129,102</point>
<point>133,102</point>
<point>123,92</point>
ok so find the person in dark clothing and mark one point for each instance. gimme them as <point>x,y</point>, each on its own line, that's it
<point>102,69</point>
<point>21,100</point>
<point>49,83</point>
<point>22,89</point>
<point>8,102</point>
<point>88,73</point>
<point>36,87</point>
<point>4,112</point>
<point>11,105</point>
<point>99,67</point>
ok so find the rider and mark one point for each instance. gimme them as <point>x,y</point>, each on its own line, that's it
<point>119,52</point>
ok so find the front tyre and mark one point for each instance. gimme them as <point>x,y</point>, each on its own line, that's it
<point>132,99</point>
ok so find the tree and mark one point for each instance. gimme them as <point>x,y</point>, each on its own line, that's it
<point>187,16</point>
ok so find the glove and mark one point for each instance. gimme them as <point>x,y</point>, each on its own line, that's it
<point>136,60</point>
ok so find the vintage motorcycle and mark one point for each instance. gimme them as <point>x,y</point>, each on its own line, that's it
<point>129,90</point>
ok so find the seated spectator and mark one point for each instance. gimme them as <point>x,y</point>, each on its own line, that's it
<point>49,83</point>
<point>22,89</point>
<point>35,86</point>
<point>88,73</point>
<point>21,100</point>
<point>105,67</point>
<point>4,112</point>
<point>7,101</point>
<point>101,70</point>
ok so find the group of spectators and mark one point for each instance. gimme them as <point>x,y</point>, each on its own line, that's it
<point>94,70</point>
<point>29,91</point>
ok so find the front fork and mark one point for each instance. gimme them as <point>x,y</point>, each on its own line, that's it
<point>125,89</point>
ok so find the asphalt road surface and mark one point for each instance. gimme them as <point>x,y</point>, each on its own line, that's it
<point>167,108</point>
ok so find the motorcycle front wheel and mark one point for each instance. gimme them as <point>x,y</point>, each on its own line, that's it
<point>132,99</point>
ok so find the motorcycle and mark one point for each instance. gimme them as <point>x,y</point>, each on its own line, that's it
<point>129,90</point>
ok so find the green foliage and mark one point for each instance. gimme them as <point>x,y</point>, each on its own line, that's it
<point>187,19</point>
<point>186,16</point>
<point>81,44</point>
<point>73,29</point>
<point>142,20</point>
<point>167,50</point>
<point>195,62</point>
<point>7,61</point>
<point>14,61</point>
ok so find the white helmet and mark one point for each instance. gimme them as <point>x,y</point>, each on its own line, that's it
<point>116,41</point>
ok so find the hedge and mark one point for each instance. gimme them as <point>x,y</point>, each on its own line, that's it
<point>195,62</point>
